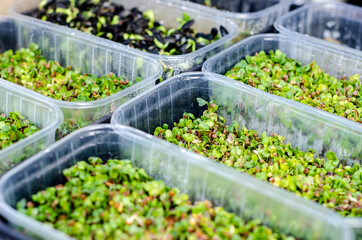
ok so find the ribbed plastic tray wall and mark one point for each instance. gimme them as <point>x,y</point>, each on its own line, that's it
<point>191,173</point>
<point>165,11</point>
<point>300,124</point>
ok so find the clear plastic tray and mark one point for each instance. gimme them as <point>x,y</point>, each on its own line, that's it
<point>251,16</point>
<point>319,22</point>
<point>87,54</point>
<point>8,233</point>
<point>335,62</point>
<point>165,11</point>
<point>167,102</point>
<point>34,107</point>
<point>191,173</point>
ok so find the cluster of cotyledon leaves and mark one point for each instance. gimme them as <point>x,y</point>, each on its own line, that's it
<point>29,68</point>
<point>277,74</point>
<point>13,128</point>
<point>323,180</point>
<point>118,201</point>
<point>134,28</point>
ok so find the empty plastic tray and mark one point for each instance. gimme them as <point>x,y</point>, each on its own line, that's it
<point>165,11</point>
<point>37,109</point>
<point>90,56</point>
<point>167,102</point>
<point>191,173</point>
<point>337,25</point>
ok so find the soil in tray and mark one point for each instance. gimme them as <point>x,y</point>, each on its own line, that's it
<point>133,28</point>
<point>118,201</point>
<point>324,180</point>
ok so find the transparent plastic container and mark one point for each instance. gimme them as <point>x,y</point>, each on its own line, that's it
<point>90,56</point>
<point>302,127</point>
<point>191,173</point>
<point>35,108</point>
<point>165,11</point>
<point>335,62</point>
<point>7,233</point>
<point>251,16</point>
<point>300,2</point>
<point>337,25</point>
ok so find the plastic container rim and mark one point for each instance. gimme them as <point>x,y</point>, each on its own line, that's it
<point>218,78</point>
<point>207,164</point>
<point>337,120</point>
<point>232,28</point>
<point>100,102</point>
<point>308,110</point>
<point>237,15</point>
<point>32,97</point>
<point>285,31</point>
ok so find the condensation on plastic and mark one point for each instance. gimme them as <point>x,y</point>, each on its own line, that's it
<point>35,108</point>
<point>165,11</point>
<point>300,124</point>
<point>251,16</point>
<point>317,22</point>
<point>89,55</point>
<point>191,173</point>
